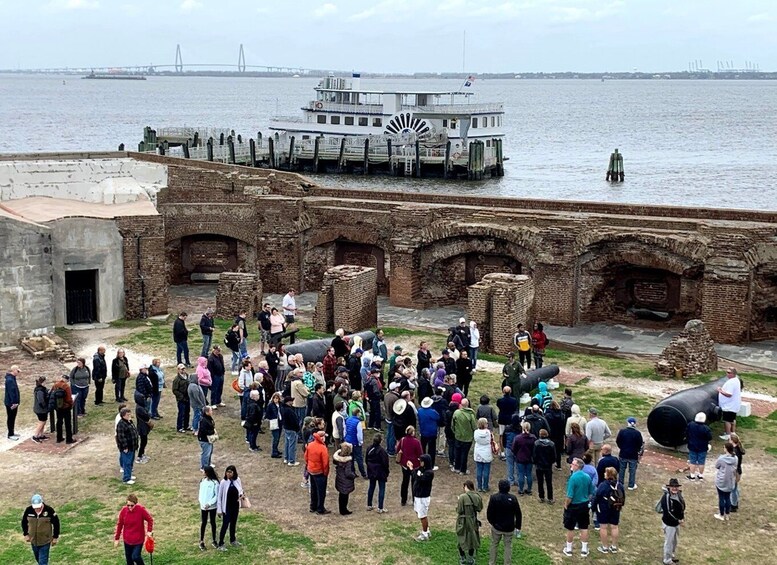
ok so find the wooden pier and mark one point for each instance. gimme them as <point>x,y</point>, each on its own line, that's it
<point>366,155</point>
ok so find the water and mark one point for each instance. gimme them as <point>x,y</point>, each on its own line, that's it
<point>689,143</point>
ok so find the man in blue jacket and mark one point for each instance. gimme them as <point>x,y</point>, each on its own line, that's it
<point>631,445</point>
<point>507,405</point>
<point>428,424</point>
<point>12,400</point>
<point>354,435</point>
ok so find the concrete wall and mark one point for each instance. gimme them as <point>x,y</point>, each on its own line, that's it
<point>86,244</point>
<point>107,181</point>
<point>26,298</point>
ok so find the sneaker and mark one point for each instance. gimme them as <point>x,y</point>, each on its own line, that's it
<point>222,547</point>
<point>181,431</point>
<point>382,510</point>
<point>235,543</point>
<point>222,404</point>
<point>727,517</point>
<point>567,552</point>
<point>542,501</point>
<point>583,553</point>
<point>422,537</point>
<point>129,482</point>
<point>36,439</point>
<point>597,527</point>
<point>14,437</point>
<point>215,544</point>
<point>634,487</point>
<point>725,437</point>
<point>452,468</point>
<point>325,512</point>
<point>613,549</point>
<point>295,464</point>
<point>436,468</point>
<point>304,484</point>
<point>202,546</point>
<point>700,478</point>
<point>718,517</point>
<point>370,508</point>
<point>602,549</point>
<point>285,461</point>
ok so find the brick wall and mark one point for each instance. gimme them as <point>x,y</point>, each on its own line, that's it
<point>238,291</point>
<point>348,299</point>
<point>145,281</point>
<point>498,304</point>
<point>692,351</point>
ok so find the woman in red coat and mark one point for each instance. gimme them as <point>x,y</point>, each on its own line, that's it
<point>408,450</point>
<point>539,341</point>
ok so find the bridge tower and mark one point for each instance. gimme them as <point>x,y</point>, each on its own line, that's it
<point>241,60</point>
<point>178,59</point>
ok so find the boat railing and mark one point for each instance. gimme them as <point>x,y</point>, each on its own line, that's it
<point>188,132</point>
<point>323,106</point>
<point>456,108</point>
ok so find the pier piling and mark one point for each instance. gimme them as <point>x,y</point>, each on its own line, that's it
<point>417,158</point>
<point>366,156</point>
<point>209,147</point>
<point>252,152</point>
<point>615,171</point>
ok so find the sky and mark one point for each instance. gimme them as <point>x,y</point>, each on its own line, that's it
<point>392,35</point>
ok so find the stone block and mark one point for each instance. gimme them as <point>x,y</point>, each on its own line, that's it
<point>498,303</point>
<point>692,352</point>
<point>236,292</point>
<point>348,299</point>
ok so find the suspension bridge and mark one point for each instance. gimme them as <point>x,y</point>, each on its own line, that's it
<point>177,68</point>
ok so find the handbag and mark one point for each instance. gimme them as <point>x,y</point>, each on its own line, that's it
<point>236,387</point>
<point>245,502</point>
<point>150,424</point>
<point>274,424</point>
<point>398,456</point>
<point>494,447</point>
<point>213,438</point>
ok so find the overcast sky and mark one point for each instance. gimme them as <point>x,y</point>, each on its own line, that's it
<point>392,35</point>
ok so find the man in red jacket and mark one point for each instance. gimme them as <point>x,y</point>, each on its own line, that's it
<point>131,523</point>
<point>317,461</point>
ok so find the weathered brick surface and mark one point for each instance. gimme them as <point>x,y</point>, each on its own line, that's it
<point>692,352</point>
<point>238,291</point>
<point>498,304</point>
<point>145,266</point>
<point>348,299</point>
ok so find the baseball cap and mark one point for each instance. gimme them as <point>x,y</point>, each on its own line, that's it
<point>144,366</point>
<point>631,420</point>
<point>446,352</point>
<point>37,501</point>
<point>462,320</point>
<point>393,385</point>
<point>397,348</point>
<point>593,411</point>
<point>358,350</point>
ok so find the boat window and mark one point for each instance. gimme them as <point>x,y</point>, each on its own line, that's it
<point>445,123</point>
<point>474,123</point>
<point>334,120</point>
<point>422,100</point>
<point>485,121</point>
<point>377,122</point>
<point>364,121</point>
<point>499,121</point>
<point>453,124</point>
<point>321,119</point>
<point>493,121</point>
<point>304,137</point>
<point>349,120</point>
<point>488,143</point>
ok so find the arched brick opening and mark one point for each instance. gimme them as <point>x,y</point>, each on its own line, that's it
<point>631,282</point>
<point>448,266</point>
<point>199,257</point>
<point>763,318</point>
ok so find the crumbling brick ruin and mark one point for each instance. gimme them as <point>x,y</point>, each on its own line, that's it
<point>348,299</point>
<point>238,291</point>
<point>498,304</point>
<point>691,352</point>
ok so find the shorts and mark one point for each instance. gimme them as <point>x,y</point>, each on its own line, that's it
<point>577,515</point>
<point>502,429</point>
<point>265,336</point>
<point>42,417</point>
<point>729,416</point>
<point>421,506</point>
<point>697,457</point>
<point>611,517</point>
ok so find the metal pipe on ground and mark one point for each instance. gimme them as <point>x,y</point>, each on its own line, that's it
<point>669,418</point>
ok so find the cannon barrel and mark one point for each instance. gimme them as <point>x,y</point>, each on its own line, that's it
<point>314,350</point>
<point>535,376</point>
<point>669,418</point>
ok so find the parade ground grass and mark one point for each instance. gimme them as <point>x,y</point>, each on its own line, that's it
<point>84,484</point>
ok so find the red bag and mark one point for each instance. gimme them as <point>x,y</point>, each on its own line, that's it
<point>149,544</point>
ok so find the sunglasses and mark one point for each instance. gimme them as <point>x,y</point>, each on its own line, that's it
<point>130,505</point>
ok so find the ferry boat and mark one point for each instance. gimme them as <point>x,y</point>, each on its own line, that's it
<point>342,108</point>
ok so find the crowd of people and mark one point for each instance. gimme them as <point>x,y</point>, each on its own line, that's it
<point>418,413</point>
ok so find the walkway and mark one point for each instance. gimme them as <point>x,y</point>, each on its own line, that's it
<point>607,338</point>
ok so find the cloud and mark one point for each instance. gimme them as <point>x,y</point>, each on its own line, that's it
<point>67,5</point>
<point>190,5</point>
<point>758,18</point>
<point>325,10</point>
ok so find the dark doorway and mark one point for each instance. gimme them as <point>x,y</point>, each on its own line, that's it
<point>81,296</point>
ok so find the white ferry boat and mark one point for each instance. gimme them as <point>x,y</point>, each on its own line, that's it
<point>343,109</point>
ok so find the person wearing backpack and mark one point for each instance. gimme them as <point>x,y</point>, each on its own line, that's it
<point>232,341</point>
<point>40,408</point>
<point>608,502</point>
<point>61,400</point>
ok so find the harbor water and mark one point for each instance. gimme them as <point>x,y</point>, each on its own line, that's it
<point>687,143</point>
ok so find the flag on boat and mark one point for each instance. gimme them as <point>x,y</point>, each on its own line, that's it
<point>469,81</point>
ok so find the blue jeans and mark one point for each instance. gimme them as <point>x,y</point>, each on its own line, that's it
<point>235,360</point>
<point>244,404</point>
<point>735,495</point>
<point>41,553</point>
<point>300,414</point>
<point>83,393</point>
<point>632,465</point>
<point>252,433</point>
<point>205,391</point>
<point>216,388</point>
<point>207,451</point>
<point>206,339</point>
<point>524,472</point>
<point>358,459</point>
<point>276,437</point>
<point>381,492</point>
<point>182,348</point>
<point>538,359</point>
<point>243,348</point>
<point>134,554</point>
<point>196,419</point>
<point>127,460</point>
<point>724,502</point>
<point>391,440</point>
<point>290,448</point>
<point>155,398</point>
<point>482,474</point>
<point>512,467</point>
<point>183,416</point>
<point>473,355</point>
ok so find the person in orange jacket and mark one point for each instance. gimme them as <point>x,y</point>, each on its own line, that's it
<point>317,461</point>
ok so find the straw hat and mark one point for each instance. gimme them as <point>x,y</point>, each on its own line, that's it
<point>399,406</point>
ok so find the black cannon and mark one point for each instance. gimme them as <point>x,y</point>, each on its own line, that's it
<point>533,378</point>
<point>314,350</point>
<point>669,418</point>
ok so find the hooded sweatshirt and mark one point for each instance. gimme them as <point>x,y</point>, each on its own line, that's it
<point>196,397</point>
<point>543,396</point>
<point>203,374</point>
<point>317,456</point>
<point>422,486</point>
<point>575,417</point>
<point>725,475</point>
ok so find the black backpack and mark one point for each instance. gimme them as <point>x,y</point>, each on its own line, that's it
<point>57,399</point>
<point>617,497</point>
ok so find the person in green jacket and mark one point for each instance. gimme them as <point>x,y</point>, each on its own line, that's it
<point>464,424</point>
<point>512,373</point>
<point>467,524</point>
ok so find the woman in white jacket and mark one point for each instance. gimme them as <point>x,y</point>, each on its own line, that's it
<point>474,343</point>
<point>483,454</point>
<point>228,506</point>
<point>209,493</point>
